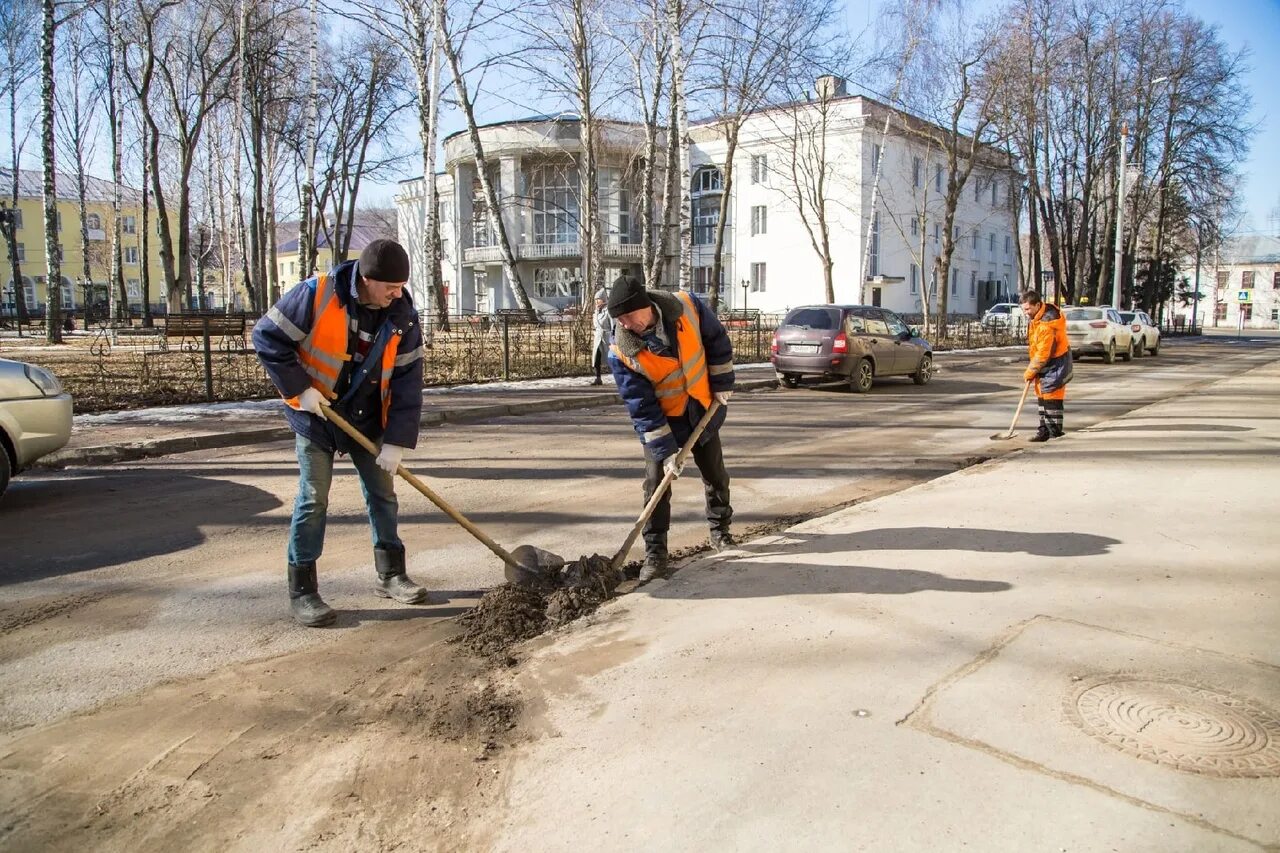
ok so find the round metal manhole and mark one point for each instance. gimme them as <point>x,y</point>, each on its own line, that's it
<point>1178,725</point>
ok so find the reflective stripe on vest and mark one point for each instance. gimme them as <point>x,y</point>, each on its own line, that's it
<point>676,379</point>
<point>323,350</point>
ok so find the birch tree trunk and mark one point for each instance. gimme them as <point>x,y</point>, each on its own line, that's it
<point>675,15</point>
<point>53,267</point>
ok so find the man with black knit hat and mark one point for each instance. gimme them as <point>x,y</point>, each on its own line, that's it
<point>671,357</point>
<point>350,340</point>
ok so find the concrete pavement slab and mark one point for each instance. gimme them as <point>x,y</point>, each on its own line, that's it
<point>1044,652</point>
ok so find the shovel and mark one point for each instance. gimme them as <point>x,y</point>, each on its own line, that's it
<point>649,507</point>
<point>1005,436</point>
<point>526,565</point>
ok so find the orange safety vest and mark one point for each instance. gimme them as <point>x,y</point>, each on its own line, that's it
<point>323,351</point>
<point>676,379</point>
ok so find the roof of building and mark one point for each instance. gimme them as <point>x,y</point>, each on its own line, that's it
<point>362,234</point>
<point>1253,249</point>
<point>31,185</point>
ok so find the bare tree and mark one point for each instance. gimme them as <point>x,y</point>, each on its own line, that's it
<point>53,263</point>
<point>18,52</point>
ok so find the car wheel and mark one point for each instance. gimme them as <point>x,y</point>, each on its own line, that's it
<point>1109,354</point>
<point>1140,348</point>
<point>1127,355</point>
<point>863,373</point>
<point>925,371</point>
<point>6,471</point>
<point>1155,350</point>
<point>791,380</point>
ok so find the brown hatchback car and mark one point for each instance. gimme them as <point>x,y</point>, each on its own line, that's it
<point>853,343</point>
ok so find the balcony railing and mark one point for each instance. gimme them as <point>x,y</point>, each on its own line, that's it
<point>549,251</point>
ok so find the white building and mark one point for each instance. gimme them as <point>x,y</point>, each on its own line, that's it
<point>769,259</point>
<point>1239,286</point>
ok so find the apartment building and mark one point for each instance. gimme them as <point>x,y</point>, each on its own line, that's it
<point>883,234</point>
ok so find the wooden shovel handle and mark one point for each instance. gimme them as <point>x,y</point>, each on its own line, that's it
<point>656,497</point>
<point>444,506</point>
<point>1018,412</point>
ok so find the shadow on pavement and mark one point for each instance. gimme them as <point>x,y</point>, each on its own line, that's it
<point>1057,544</point>
<point>43,529</point>
<point>747,579</point>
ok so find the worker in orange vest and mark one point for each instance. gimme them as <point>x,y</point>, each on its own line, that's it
<point>1050,362</point>
<point>670,358</point>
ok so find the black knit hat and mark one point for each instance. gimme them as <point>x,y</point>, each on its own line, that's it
<point>385,260</point>
<point>626,296</point>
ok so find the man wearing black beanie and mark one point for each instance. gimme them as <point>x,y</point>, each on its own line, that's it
<point>670,358</point>
<point>350,340</point>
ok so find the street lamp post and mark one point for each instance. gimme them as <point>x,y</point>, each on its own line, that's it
<point>745,285</point>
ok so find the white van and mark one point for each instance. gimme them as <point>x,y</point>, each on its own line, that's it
<point>1005,315</point>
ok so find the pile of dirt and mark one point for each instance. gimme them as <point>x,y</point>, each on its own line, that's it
<point>510,613</point>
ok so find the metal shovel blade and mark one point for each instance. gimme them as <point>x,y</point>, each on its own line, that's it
<point>534,567</point>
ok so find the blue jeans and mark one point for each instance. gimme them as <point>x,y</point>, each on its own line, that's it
<point>315,470</point>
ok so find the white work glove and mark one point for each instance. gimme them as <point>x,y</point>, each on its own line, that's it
<point>389,458</point>
<point>311,400</point>
<point>672,467</point>
<point>722,397</point>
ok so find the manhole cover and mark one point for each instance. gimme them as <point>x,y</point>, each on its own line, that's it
<point>1180,725</point>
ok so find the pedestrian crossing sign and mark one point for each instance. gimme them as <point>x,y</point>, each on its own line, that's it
<point>1244,296</point>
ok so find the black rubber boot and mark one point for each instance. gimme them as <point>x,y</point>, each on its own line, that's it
<point>305,602</point>
<point>655,564</point>
<point>722,540</point>
<point>393,582</point>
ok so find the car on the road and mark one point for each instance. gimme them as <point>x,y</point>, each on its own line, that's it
<point>1004,315</point>
<point>35,416</point>
<point>853,343</point>
<point>1146,334</point>
<point>1098,330</point>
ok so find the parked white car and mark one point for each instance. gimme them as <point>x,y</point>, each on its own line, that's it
<point>35,416</point>
<point>1146,334</point>
<point>1098,331</point>
<point>1005,315</point>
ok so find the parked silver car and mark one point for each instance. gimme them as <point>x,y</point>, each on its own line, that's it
<point>1098,331</point>
<point>854,343</point>
<point>35,416</point>
<point>1146,334</point>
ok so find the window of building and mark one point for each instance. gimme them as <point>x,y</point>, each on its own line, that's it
<point>616,215</point>
<point>709,180</point>
<point>991,244</point>
<point>1275,280</point>
<point>759,220</point>
<point>93,222</point>
<point>133,287</point>
<point>1275,314</point>
<point>955,281</point>
<point>22,252</point>
<point>977,188</point>
<point>995,191</point>
<point>129,224</point>
<point>293,268</point>
<point>873,267</point>
<point>702,280</point>
<point>1007,241</point>
<point>557,281</point>
<point>1246,280</point>
<point>58,219</point>
<point>1246,312</point>
<point>553,190</point>
<point>973,283</point>
<point>17,218</point>
<point>757,278</point>
<point>131,255</point>
<point>875,156</point>
<point>759,169</point>
<point>955,234</point>
<point>1224,278</point>
<point>915,226</point>
<point>915,171</point>
<point>1220,311</point>
<point>975,242</point>
<point>937,233</point>
<point>914,277</point>
<point>706,215</point>
<point>937,178</point>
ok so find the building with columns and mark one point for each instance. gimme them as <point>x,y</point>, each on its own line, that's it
<point>798,170</point>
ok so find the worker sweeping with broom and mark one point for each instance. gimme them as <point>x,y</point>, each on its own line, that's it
<point>1050,362</point>
<point>349,339</point>
<point>671,357</point>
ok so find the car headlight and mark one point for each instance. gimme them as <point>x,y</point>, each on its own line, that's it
<point>44,380</point>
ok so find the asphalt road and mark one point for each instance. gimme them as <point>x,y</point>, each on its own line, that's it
<point>120,577</point>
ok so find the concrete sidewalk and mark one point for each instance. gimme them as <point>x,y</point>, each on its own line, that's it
<point>1076,647</point>
<point>125,436</point>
